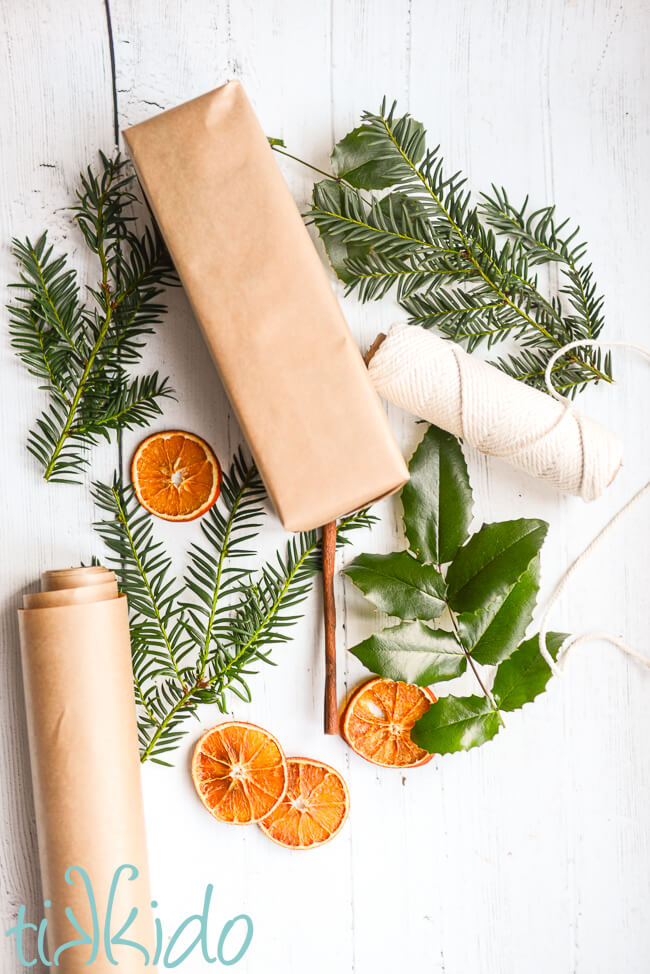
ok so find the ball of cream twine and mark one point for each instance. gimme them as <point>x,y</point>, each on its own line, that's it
<point>539,434</point>
<point>544,435</point>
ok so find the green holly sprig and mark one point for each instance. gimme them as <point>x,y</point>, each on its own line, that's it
<point>463,600</point>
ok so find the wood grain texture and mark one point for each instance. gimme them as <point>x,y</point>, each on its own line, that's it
<point>531,854</point>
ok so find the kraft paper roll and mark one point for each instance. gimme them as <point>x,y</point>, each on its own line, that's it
<point>83,745</point>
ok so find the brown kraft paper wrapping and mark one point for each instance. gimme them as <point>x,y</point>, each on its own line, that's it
<point>292,371</point>
<point>83,744</point>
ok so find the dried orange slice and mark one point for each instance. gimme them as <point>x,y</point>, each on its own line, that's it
<point>176,475</point>
<point>239,771</point>
<point>313,809</point>
<point>378,719</point>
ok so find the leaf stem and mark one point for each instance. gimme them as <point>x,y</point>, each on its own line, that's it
<point>475,671</point>
<point>309,165</point>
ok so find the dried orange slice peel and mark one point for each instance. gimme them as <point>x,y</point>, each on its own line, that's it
<point>313,809</point>
<point>240,772</point>
<point>176,475</point>
<point>378,719</point>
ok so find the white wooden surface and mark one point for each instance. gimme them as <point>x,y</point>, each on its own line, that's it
<point>530,854</point>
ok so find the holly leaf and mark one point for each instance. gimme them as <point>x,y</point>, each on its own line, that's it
<point>455,724</point>
<point>437,499</point>
<point>399,585</point>
<point>413,653</point>
<point>337,254</point>
<point>492,561</point>
<point>524,676</point>
<point>357,159</point>
<point>492,634</point>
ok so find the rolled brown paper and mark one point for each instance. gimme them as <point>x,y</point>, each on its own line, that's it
<point>83,746</point>
<point>289,364</point>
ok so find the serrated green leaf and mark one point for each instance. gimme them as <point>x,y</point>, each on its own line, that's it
<point>399,585</point>
<point>524,676</point>
<point>338,254</point>
<point>412,652</point>
<point>492,634</point>
<point>356,159</point>
<point>492,561</point>
<point>437,499</point>
<point>455,724</point>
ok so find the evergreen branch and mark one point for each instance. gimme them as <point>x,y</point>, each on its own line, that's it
<point>495,269</point>
<point>468,269</point>
<point>225,537</point>
<point>259,619</point>
<point>545,241</point>
<point>192,644</point>
<point>79,352</point>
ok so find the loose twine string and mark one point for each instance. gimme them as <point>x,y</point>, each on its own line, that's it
<point>584,556</point>
<point>581,457</point>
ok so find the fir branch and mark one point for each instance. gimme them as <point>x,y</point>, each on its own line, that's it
<point>79,351</point>
<point>194,643</point>
<point>469,270</point>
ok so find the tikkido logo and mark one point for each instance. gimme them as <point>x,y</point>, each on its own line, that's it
<point>234,939</point>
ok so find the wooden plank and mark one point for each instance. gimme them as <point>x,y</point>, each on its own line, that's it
<point>55,113</point>
<point>530,854</point>
<point>521,99</point>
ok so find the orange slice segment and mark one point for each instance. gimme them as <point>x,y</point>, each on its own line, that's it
<point>176,475</point>
<point>313,809</point>
<point>239,771</point>
<point>378,719</point>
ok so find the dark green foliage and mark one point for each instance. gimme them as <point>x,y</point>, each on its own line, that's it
<point>196,641</point>
<point>469,270</point>
<point>80,351</point>
<point>437,498</point>
<point>481,605</point>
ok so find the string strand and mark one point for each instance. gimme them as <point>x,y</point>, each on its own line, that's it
<point>584,556</point>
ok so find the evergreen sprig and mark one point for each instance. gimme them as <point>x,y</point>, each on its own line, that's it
<point>79,351</point>
<point>393,219</point>
<point>197,641</point>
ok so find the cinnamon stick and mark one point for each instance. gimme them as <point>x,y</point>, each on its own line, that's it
<point>331,715</point>
<point>367,358</point>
